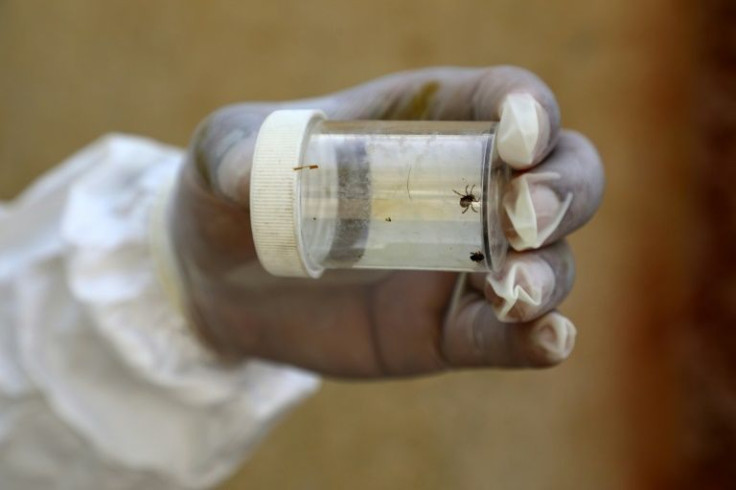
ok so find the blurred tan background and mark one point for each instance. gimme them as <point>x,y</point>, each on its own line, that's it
<point>73,70</point>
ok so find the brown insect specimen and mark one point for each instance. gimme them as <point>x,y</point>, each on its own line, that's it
<point>477,256</point>
<point>310,167</point>
<point>388,219</point>
<point>467,200</point>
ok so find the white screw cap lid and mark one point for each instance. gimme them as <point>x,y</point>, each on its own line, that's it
<point>275,212</point>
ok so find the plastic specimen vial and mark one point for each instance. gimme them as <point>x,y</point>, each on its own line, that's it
<point>422,195</point>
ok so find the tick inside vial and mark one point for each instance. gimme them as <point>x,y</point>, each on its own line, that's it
<point>468,199</point>
<point>477,256</point>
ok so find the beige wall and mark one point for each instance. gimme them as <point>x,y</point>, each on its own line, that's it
<point>72,70</point>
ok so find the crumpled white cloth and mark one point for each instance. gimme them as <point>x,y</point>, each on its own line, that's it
<point>102,385</point>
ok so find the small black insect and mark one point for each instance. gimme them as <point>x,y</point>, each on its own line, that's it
<point>388,219</point>
<point>477,256</point>
<point>468,199</point>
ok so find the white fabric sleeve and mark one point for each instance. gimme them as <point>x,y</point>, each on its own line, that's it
<point>102,384</point>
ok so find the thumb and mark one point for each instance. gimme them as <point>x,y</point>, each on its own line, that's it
<point>209,217</point>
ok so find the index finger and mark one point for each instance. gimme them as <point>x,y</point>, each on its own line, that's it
<point>528,114</point>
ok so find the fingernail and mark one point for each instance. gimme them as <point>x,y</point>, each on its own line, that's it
<point>523,130</point>
<point>521,290</point>
<point>533,209</point>
<point>555,336</point>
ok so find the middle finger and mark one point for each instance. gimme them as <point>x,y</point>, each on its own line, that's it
<point>556,197</point>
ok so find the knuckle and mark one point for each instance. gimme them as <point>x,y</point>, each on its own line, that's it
<point>514,72</point>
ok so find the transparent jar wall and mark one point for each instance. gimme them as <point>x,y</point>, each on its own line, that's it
<point>401,195</point>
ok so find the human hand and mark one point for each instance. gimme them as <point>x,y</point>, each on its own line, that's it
<point>373,324</point>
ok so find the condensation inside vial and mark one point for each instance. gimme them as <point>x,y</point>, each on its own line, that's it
<point>396,195</point>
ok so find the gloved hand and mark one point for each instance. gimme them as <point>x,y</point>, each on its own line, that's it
<point>372,324</point>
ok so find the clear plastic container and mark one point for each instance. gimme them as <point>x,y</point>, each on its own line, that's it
<point>375,195</point>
